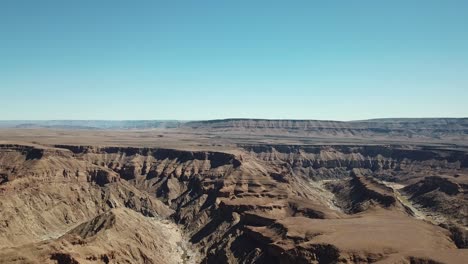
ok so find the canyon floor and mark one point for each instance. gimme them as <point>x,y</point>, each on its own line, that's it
<point>235,191</point>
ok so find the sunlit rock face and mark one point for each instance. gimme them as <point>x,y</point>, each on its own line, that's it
<point>253,203</point>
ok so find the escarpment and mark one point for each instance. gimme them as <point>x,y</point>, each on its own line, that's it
<point>258,203</point>
<point>375,158</point>
<point>57,191</point>
<point>117,236</point>
<point>360,192</point>
<point>442,196</point>
<point>433,128</point>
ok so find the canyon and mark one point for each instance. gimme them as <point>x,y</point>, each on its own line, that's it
<point>234,191</point>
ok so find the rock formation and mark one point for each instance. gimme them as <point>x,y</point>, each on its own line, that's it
<point>251,203</point>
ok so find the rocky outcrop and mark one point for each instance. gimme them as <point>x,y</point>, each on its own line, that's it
<point>254,204</point>
<point>360,192</point>
<point>117,236</point>
<point>429,184</point>
<point>59,191</point>
<point>458,233</point>
<point>374,158</point>
<point>443,196</point>
<point>408,128</point>
<point>305,240</point>
<point>369,189</point>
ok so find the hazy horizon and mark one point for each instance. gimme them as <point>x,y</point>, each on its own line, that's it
<point>154,60</point>
<point>219,119</point>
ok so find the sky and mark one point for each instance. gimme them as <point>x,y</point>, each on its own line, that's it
<point>197,59</point>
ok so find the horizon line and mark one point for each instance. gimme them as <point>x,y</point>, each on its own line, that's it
<point>228,119</point>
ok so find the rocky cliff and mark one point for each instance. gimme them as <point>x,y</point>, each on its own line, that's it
<point>255,204</point>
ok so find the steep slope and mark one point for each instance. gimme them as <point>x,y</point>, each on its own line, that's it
<point>444,195</point>
<point>406,128</point>
<point>376,235</point>
<point>445,201</point>
<point>117,236</point>
<point>216,196</point>
<point>48,191</point>
<point>253,204</point>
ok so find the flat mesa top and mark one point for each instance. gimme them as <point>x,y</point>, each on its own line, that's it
<point>213,134</point>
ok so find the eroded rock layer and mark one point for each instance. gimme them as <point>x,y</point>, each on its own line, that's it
<point>251,204</point>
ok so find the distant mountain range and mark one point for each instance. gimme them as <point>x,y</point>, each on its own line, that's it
<point>459,124</point>
<point>91,124</point>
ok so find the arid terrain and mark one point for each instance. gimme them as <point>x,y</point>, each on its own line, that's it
<point>234,191</point>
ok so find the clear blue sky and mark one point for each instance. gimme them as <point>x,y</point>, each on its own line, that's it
<point>342,60</point>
